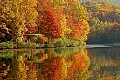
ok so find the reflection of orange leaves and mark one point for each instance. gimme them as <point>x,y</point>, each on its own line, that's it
<point>77,63</point>
<point>31,72</point>
<point>32,68</point>
<point>50,69</point>
<point>42,56</point>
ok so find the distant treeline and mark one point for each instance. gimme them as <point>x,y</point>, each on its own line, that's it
<point>104,22</point>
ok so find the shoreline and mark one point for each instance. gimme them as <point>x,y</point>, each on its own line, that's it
<point>41,48</point>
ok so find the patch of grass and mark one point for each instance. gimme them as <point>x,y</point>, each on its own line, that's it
<point>8,44</point>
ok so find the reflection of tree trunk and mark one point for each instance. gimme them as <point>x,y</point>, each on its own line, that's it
<point>49,54</point>
<point>32,53</point>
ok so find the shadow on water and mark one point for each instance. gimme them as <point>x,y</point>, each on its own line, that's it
<point>61,64</point>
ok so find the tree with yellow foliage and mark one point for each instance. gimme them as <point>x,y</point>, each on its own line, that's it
<point>17,15</point>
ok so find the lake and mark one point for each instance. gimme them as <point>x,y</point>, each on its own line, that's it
<point>101,63</point>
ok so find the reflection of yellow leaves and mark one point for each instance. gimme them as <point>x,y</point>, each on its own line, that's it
<point>19,69</point>
<point>63,71</point>
<point>79,62</point>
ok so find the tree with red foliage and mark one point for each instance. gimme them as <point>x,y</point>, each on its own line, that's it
<point>49,25</point>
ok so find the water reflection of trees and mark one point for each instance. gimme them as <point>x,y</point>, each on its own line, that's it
<point>105,57</point>
<point>79,65</point>
<point>4,67</point>
<point>21,70</point>
<point>50,68</point>
<point>105,63</point>
<point>50,65</point>
<point>68,66</point>
<point>18,68</point>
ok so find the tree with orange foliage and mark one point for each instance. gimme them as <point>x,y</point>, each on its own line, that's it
<point>77,20</point>
<point>77,31</point>
<point>49,25</point>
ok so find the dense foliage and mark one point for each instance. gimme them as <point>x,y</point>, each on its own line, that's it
<point>4,33</point>
<point>65,20</point>
<point>59,23</point>
<point>49,25</point>
<point>104,22</point>
<point>45,64</point>
<point>17,15</point>
<point>68,20</point>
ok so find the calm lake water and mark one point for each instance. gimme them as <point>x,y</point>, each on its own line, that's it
<point>61,64</point>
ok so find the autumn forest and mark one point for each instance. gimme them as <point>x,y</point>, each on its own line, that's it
<point>59,40</point>
<point>58,23</point>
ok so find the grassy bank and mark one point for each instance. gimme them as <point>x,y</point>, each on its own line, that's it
<point>33,45</point>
